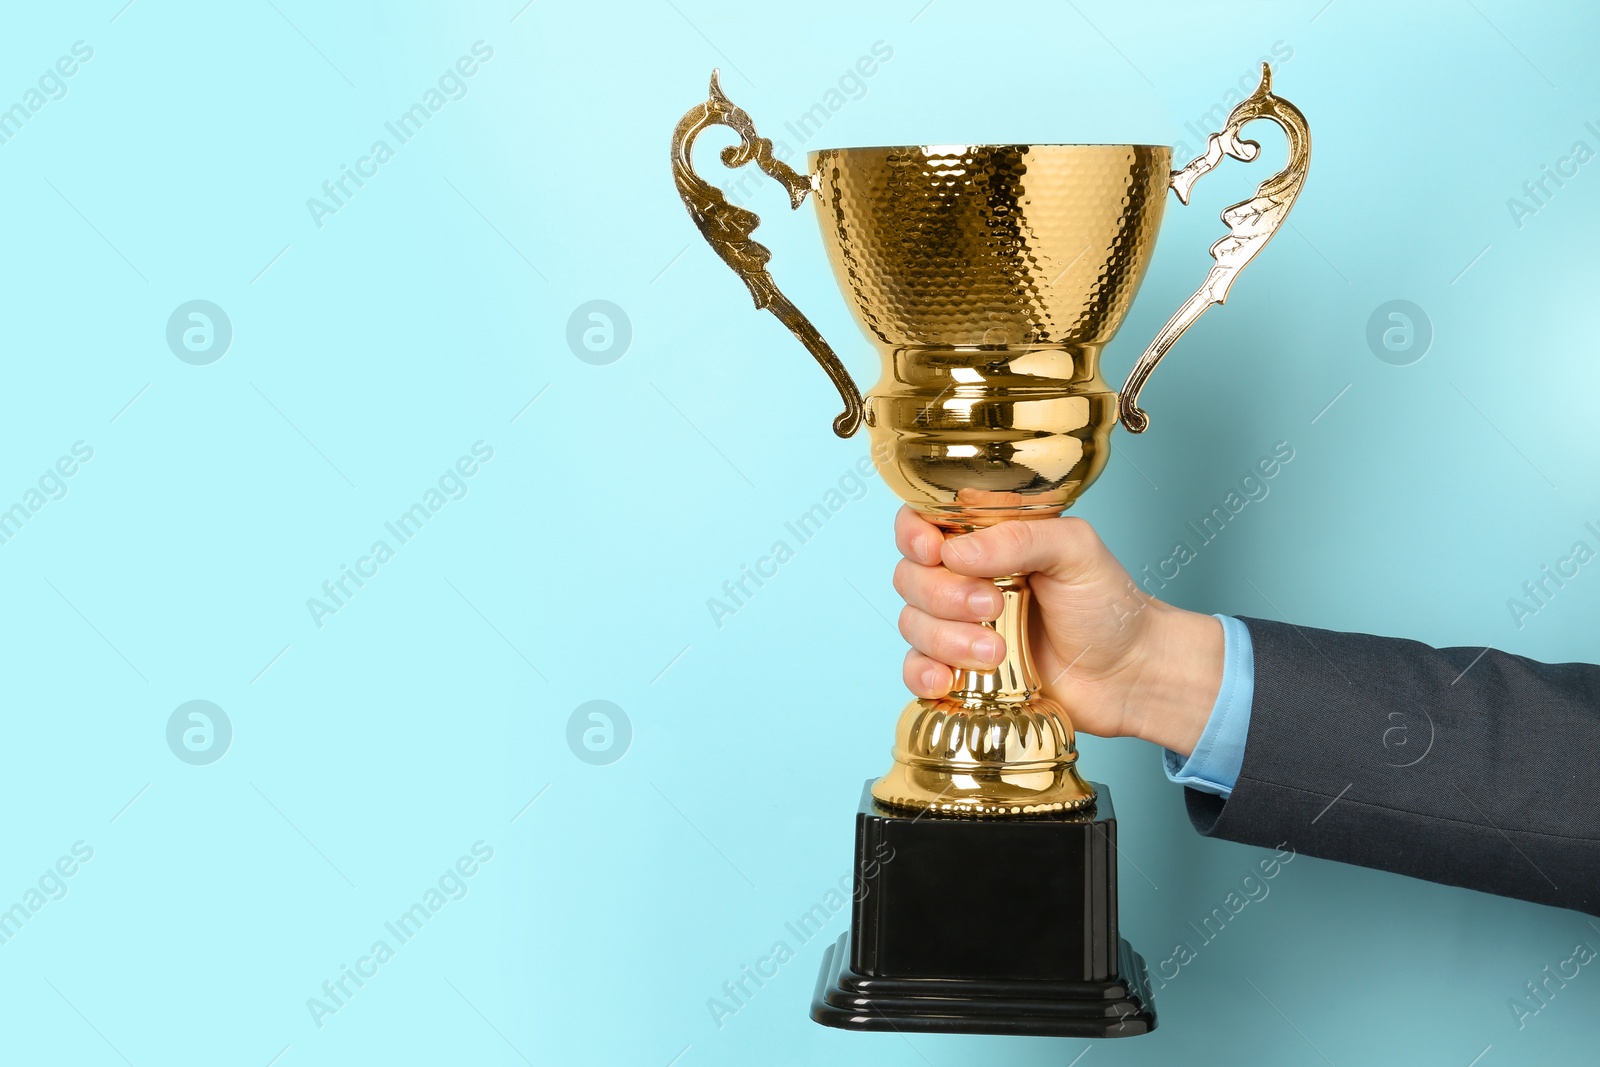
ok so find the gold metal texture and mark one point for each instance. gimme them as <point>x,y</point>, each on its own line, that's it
<point>994,746</point>
<point>990,277</point>
<point>1251,223</point>
<point>727,229</point>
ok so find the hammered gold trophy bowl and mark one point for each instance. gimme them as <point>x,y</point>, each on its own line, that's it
<point>989,277</point>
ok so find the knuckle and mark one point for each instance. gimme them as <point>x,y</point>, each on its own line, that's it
<point>999,544</point>
<point>902,578</point>
<point>1075,548</point>
<point>906,522</point>
<point>908,623</point>
<point>1015,536</point>
<point>950,644</point>
<point>1074,533</point>
<point>953,597</point>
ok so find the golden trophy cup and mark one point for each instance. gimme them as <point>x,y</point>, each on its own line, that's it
<point>989,277</point>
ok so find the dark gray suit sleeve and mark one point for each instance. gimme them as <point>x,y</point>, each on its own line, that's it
<point>1469,767</point>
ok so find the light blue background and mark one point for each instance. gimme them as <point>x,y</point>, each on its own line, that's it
<point>425,315</point>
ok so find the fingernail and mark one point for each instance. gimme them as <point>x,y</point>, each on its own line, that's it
<point>933,680</point>
<point>987,649</point>
<point>923,546</point>
<point>984,603</point>
<point>964,548</point>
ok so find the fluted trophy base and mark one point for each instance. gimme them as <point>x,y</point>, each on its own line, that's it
<point>960,758</point>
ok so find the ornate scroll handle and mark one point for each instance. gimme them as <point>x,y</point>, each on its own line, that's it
<point>727,229</point>
<point>1251,224</point>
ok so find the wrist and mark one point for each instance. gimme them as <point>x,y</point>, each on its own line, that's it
<point>1171,700</point>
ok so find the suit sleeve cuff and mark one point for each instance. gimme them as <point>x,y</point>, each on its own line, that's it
<point>1213,766</point>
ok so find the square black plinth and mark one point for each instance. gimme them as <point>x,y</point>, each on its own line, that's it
<point>985,926</point>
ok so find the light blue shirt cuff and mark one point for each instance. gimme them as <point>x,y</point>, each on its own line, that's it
<point>1213,766</point>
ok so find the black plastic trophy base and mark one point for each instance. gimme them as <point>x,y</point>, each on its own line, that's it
<point>985,926</point>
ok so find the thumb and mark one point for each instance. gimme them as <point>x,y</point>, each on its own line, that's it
<point>1064,548</point>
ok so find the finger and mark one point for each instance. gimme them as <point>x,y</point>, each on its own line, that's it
<point>927,677</point>
<point>946,595</point>
<point>916,537</point>
<point>959,644</point>
<point>1062,548</point>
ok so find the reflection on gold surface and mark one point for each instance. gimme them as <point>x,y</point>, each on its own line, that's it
<point>989,277</point>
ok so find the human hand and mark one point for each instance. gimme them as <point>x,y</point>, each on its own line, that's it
<point>1121,662</point>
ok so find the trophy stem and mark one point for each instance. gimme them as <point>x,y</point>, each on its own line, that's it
<point>1014,679</point>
